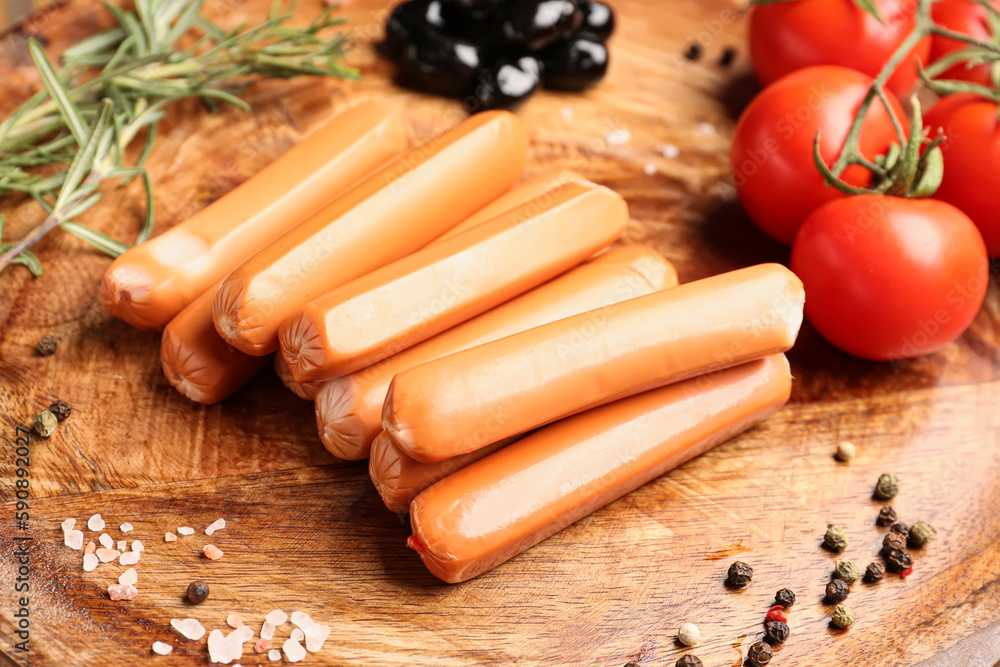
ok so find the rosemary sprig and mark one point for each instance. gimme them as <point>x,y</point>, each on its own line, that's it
<point>115,86</point>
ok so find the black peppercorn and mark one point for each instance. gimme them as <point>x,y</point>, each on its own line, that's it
<point>728,56</point>
<point>693,52</point>
<point>46,347</point>
<point>837,591</point>
<point>776,632</point>
<point>886,516</point>
<point>197,592</point>
<point>874,572</point>
<point>739,575</point>
<point>894,541</point>
<point>897,560</point>
<point>785,597</point>
<point>61,409</point>
<point>901,528</point>
<point>689,661</point>
<point>759,654</point>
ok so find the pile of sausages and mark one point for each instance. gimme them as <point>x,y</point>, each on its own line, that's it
<point>503,371</point>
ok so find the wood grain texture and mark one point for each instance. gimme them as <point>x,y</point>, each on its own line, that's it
<point>307,532</point>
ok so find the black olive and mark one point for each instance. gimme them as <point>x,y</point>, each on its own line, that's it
<point>475,10</point>
<point>598,19</point>
<point>407,19</point>
<point>440,64</point>
<point>538,23</point>
<point>473,21</point>
<point>576,62</point>
<point>507,83</point>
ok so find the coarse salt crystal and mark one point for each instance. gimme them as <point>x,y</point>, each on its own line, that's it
<point>316,637</point>
<point>294,651</point>
<point>169,537</point>
<point>90,562</point>
<point>95,522</point>
<point>137,546</point>
<point>706,128</point>
<point>274,655</point>
<point>90,548</point>
<point>302,620</point>
<point>267,630</point>
<point>234,620</point>
<point>106,541</point>
<point>126,527</point>
<point>122,591</point>
<point>298,635</point>
<point>219,650</point>
<point>122,545</point>
<point>649,169</point>
<point>107,555</point>
<point>162,649</point>
<point>618,137</point>
<point>212,552</point>
<point>129,577</point>
<point>218,524</point>
<point>68,524</point>
<point>276,618</point>
<point>188,627</point>
<point>242,634</point>
<point>73,539</point>
<point>262,645</point>
<point>186,530</point>
<point>129,558</point>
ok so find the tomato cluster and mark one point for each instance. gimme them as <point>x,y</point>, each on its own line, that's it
<point>887,277</point>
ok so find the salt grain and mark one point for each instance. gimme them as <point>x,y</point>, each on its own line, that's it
<point>618,137</point>
<point>234,620</point>
<point>274,655</point>
<point>90,548</point>
<point>316,637</point>
<point>294,651</point>
<point>130,558</point>
<point>298,635</point>
<point>668,151</point>
<point>276,618</point>
<point>169,537</point>
<point>185,530</point>
<point>706,128</point>
<point>129,577</point>
<point>302,620</point>
<point>267,630</point>
<point>649,169</point>
<point>107,555</point>
<point>262,645</point>
<point>137,546</point>
<point>73,539</point>
<point>218,524</point>
<point>68,524</point>
<point>90,562</point>
<point>567,113</point>
<point>126,527</point>
<point>122,591</point>
<point>106,541</point>
<point>219,650</point>
<point>212,552</point>
<point>122,545</point>
<point>95,522</point>
<point>188,627</point>
<point>160,648</point>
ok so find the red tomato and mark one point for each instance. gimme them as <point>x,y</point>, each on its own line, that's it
<point>971,160</point>
<point>786,36</point>
<point>889,278</point>
<point>970,19</point>
<point>772,152</point>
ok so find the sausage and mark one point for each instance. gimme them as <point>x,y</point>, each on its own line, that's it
<point>430,291</point>
<point>394,212</point>
<point>349,408</point>
<point>150,283</point>
<point>304,390</point>
<point>456,404</point>
<point>492,510</point>
<point>197,362</point>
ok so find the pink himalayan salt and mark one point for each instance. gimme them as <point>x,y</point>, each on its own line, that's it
<point>122,591</point>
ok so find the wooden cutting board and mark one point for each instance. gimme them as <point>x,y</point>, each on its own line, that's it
<point>308,532</point>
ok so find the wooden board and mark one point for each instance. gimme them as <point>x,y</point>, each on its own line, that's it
<point>308,532</point>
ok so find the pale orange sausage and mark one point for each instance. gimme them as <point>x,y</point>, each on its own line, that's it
<point>304,390</point>
<point>393,213</point>
<point>459,403</point>
<point>197,362</point>
<point>349,408</point>
<point>492,510</point>
<point>441,286</point>
<point>150,283</point>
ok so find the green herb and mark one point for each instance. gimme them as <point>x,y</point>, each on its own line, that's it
<point>114,87</point>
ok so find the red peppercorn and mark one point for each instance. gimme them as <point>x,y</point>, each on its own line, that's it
<point>775,614</point>
<point>907,572</point>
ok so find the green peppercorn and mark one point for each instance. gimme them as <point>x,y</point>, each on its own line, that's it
<point>197,592</point>
<point>837,591</point>
<point>46,347</point>
<point>887,487</point>
<point>785,597</point>
<point>847,571</point>
<point>920,534</point>
<point>776,632</point>
<point>739,575</point>
<point>886,516</point>
<point>835,538</point>
<point>759,654</point>
<point>874,572</point>
<point>842,617</point>
<point>689,661</point>
<point>45,423</point>
<point>894,541</point>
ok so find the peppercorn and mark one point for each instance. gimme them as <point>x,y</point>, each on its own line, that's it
<point>46,347</point>
<point>197,592</point>
<point>689,661</point>
<point>886,516</point>
<point>835,538</point>
<point>728,56</point>
<point>887,487</point>
<point>785,597</point>
<point>920,534</point>
<point>693,51</point>
<point>846,451</point>
<point>688,634</point>
<point>61,409</point>
<point>894,541</point>
<point>837,591</point>
<point>842,617</point>
<point>901,528</point>
<point>45,423</point>
<point>776,632</point>
<point>848,571</point>
<point>896,560</point>
<point>874,572</point>
<point>739,575</point>
<point>759,654</point>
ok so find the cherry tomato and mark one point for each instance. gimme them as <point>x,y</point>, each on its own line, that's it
<point>786,36</point>
<point>971,160</point>
<point>889,278</point>
<point>968,18</point>
<point>772,152</point>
